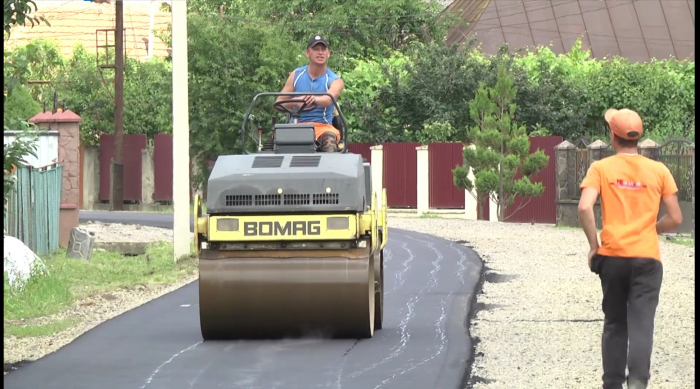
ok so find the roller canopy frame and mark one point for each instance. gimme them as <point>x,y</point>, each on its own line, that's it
<point>343,129</point>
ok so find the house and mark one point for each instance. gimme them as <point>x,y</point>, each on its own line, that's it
<point>638,30</point>
<point>77,21</point>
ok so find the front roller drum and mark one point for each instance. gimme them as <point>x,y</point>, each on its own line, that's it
<point>378,289</point>
<point>271,295</point>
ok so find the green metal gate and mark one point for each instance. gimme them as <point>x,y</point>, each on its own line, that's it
<point>33,208</point>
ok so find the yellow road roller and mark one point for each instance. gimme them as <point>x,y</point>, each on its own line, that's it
<point>292,242</point>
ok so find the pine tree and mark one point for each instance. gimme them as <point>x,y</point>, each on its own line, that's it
<point>501,150</point>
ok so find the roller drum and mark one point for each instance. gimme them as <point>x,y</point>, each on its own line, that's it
<point>267,294</point>
<point>378,289</point>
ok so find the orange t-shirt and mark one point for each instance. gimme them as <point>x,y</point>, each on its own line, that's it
<point>631,188</point>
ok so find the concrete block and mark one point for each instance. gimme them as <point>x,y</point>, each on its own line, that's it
<point>80,244</point>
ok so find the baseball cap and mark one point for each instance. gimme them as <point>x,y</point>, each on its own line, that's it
<point>316,39</point>
<point>625,123</point>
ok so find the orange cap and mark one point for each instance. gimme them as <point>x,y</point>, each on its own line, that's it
<point>625,123</point>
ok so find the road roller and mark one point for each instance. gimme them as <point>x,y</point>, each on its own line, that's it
<point>292,241</point>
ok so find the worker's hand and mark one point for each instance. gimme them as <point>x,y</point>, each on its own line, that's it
<point>310,100</point>
<point>591,254</point>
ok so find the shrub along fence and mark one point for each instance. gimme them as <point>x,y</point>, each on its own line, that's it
<point>33,208</point>
<point>573,160</point>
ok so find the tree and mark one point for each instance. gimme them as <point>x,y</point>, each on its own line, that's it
<point>501,150</point>
<point>17,13</point>
<point>357,29</point>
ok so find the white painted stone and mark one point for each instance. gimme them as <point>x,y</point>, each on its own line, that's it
<point>20,262</point>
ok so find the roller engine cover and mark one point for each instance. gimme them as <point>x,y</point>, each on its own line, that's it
<point>274,183</point>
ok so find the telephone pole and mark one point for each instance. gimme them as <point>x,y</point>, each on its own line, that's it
<point>181,132</point>
<point>117,203</point>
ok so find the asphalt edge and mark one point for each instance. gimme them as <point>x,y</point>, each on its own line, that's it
<point>468,380</point>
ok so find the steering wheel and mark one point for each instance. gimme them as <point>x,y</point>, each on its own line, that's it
<point>279,106</point>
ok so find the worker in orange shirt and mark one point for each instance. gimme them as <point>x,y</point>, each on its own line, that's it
<point>627,259</point>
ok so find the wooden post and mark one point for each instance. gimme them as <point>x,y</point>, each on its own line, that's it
<point>117,203</point>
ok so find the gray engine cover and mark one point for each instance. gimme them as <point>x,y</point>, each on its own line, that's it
<point>251,183</point>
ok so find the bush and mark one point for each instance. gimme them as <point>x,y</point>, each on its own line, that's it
<point>21,105</point>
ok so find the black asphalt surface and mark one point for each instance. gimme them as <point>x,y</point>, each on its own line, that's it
<point>153,219</point>
<point>425,343</point>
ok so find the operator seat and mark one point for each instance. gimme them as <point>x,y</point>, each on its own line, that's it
<point>336,123</point>
<point>269,145</point>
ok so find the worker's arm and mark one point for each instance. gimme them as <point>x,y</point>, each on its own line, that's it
<point>335,89</point>
<point>590,188</point>
<point>586,216</point>
<point>673,217</point>
<point>288,87</point>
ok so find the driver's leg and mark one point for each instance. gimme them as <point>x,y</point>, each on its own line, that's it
<point>329,142</point>
<point>327,136</point>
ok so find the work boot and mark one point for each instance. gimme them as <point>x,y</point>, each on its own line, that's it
<point>635,384</point>
<point>328,142</point>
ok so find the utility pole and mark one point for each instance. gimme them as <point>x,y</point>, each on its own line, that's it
<point>181,132</point>
<point>117,203</point>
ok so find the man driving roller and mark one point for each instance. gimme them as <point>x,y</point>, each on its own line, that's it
<point>317,77</point>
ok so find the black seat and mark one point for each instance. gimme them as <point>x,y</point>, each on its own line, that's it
<point>336,123</point>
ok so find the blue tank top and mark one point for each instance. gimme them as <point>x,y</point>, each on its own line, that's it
<point>304,83</point>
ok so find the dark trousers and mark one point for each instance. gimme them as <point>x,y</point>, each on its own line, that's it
<point>630,296</point>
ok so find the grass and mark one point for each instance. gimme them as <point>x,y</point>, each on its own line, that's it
<point>70,280</point>
<point>683,241</point>
<point>31,330</point>
<point>429,216</point>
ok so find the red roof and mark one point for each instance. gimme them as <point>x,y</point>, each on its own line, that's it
<point>637,30</point>
<point>66,116</point>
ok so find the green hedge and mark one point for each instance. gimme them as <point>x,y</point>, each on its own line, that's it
<point>556,94</point>
<point>419,93</point>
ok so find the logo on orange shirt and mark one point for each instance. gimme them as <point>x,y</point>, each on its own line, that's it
<point>629,184</point>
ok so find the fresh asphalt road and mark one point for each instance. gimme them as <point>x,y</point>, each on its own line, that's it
<point>424,344</point>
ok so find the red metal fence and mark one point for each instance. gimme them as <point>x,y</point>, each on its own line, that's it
<point>400,174</point>
<point>443,157</point>
<point>400,168</point>
<point>486,212</point>
<point>363,149</point>
<point>133,144</point>
<point>163,167</point>
<point>540,209</point>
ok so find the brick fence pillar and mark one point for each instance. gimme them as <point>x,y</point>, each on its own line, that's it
<point>648,148</point>
<point>67,123</point>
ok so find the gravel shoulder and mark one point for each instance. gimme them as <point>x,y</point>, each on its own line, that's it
<point>539,318</point>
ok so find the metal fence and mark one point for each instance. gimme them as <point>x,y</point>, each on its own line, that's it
<point>677,154</point>
<point>33,208</point>
<point>47,146</point>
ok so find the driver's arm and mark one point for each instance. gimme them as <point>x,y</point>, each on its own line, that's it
<point>335,89</point>
<point>288,87</point>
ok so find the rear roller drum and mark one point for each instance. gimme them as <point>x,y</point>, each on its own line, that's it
<point>266,295</point>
